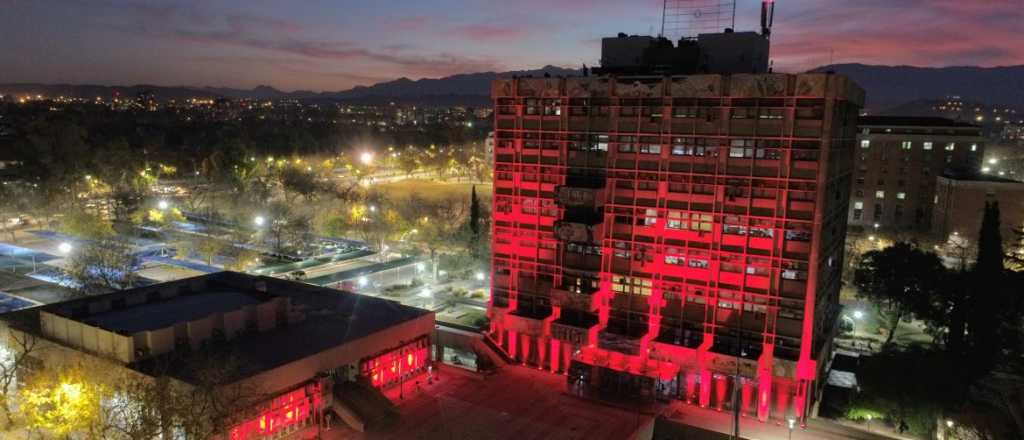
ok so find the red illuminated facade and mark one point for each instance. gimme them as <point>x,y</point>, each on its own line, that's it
<point>394,366</point>
<point>674,236</point>
<point>284,414</point>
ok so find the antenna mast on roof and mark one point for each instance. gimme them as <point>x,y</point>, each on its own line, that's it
<point>689,18</point>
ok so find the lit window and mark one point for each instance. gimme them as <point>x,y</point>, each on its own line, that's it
<point>650,217</point>
<point>865,144</point>
<point>858,205</point>
<point>879,194</point>
<point>974,147</point>
<point>951,146</point>
<point>901,195</point>
<point>906,145</point>
<point>928,145</point>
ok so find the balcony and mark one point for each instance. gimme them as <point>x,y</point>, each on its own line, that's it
<point>585,262</point>
<point>572,298</point>
<point>573,327</point>
<point>526,323</point>
<point>578,232</point>
<point>622,340</point>
<point>580,197</point>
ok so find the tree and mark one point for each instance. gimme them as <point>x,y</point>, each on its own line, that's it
<point>917,398</point>
<point>61,402</point>
<point>298,182</point>
<point>474,212</point>
<point>85,225</point>
<point>102,266</point>
<point>208,248</point>
<point>15,355</point>
<point>900,280</point>
<point>157,217</point>
<point>989,298</point>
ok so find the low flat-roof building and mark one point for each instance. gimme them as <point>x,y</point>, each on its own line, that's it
<point>286,343</point>
<point>960,204</point>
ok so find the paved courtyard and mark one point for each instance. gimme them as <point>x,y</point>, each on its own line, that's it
<point>518,403</point>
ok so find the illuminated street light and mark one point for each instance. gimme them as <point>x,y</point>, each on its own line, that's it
<point>858,314</point>
<point>65,248</point>
<point>480,276</point>
<point>373,208</point>
<point>163,205</point>
<point>949,423</point>
<point>366,158</point>
<point>363,281</point>
<point>259,220</point>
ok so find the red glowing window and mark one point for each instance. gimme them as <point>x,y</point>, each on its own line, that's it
<point>390,367</point>
<point>281,413</point>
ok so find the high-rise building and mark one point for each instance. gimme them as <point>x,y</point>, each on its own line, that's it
<point>897,161</point>
<point>674,236</point>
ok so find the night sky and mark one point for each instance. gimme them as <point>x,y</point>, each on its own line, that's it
<point>334,45</point>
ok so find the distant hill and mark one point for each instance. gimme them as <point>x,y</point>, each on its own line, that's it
<point>888,87</point>
<point>478,84</point>
<point>466,89</point>
<point>891,86</point>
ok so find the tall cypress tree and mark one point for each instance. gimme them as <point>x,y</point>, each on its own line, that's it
<point>474,212</point>
<point>987,305</point>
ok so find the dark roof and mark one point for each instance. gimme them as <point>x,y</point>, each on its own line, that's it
<point>910,121</point>
<point>162,314</point>
<point>978,177</point>
<point>331,318</point>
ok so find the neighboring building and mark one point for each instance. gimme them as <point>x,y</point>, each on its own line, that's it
<point>897,160</point>
<point>960,202</point>
<point>650,231</point>
<point>290,343</point>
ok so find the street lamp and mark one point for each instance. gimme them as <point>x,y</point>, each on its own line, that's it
<point>792,424</point>
<point>163,205</point>
<point>259,220</point>
<point>366,158</point>
<point>858,314</point>
<point>479,276</point>
<point>65,248</point>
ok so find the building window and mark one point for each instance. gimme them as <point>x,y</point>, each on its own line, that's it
<point>865,144</point>
<point>858,205</point>
<point>928,145</point>
<point>951,146</point>
<point>650,149</point>
<point>700,222</point>
<point>631,286</point>
<point>906,145</point>
<point>901,195</point>
<point>974,147</point>
<point>676,220</point>
<point>879,194</point>
<point>650,217</point>
<point>878,211</point>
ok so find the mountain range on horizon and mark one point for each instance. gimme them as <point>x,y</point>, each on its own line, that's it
<point>887,87</point>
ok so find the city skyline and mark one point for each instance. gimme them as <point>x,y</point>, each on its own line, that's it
<point>319,46</point>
